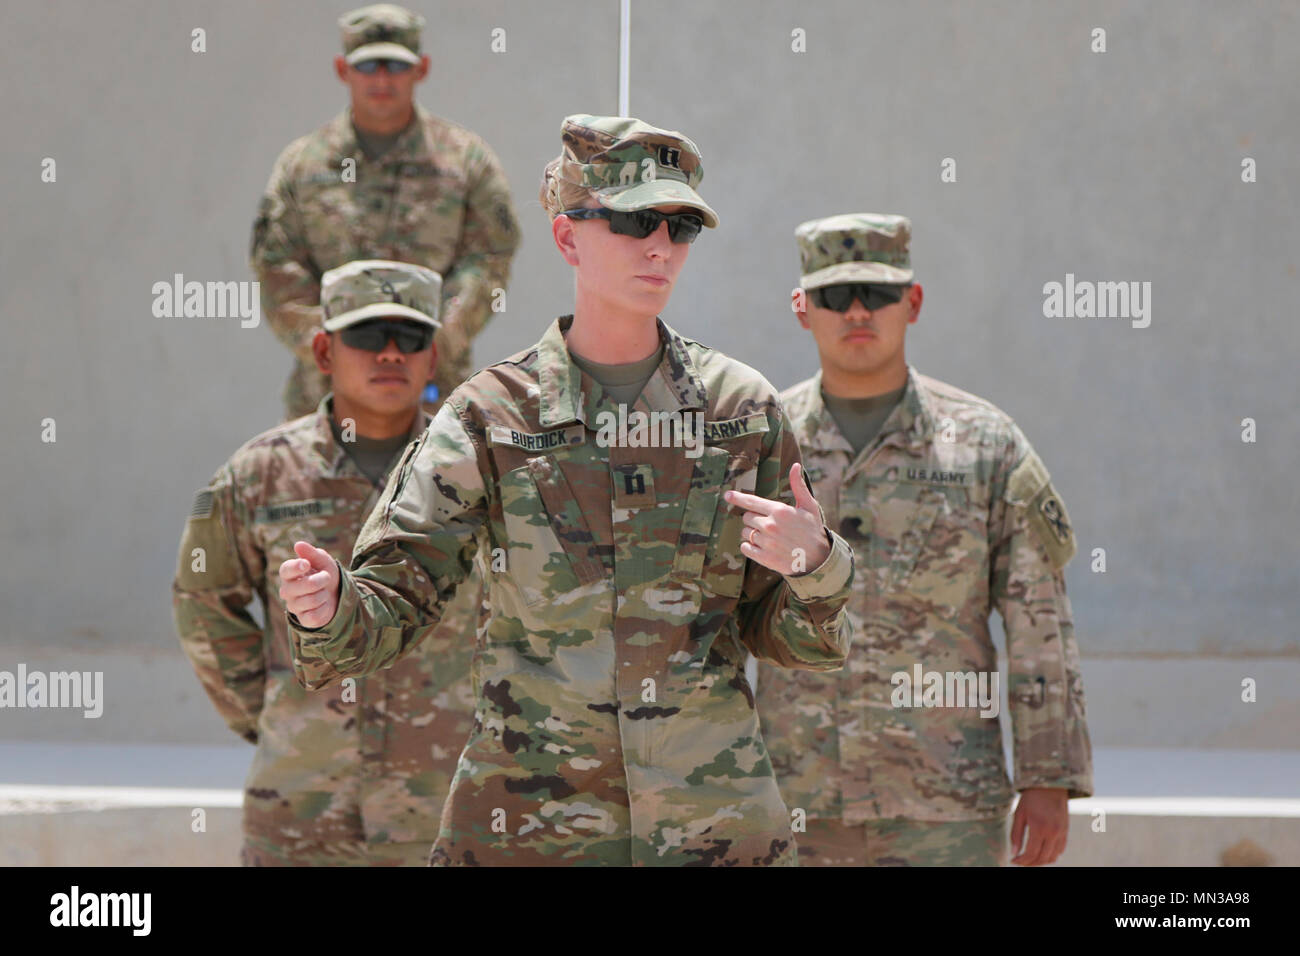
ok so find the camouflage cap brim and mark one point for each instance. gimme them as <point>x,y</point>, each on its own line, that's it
<point>382,51</point>
<point>379,310</point>
<point>659,192</point>
<point>855,272</point>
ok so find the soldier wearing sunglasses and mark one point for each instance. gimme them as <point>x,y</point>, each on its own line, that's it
<point>951,514</point>
<point>384,180</point>
<point>353,775</point>
<point>615,722</point>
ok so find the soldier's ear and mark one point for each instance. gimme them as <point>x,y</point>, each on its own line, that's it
<point>562,229</point>
<point>321,350</point>
<point>341,68</point>
<point>422,68</point>
<point>915,296</point>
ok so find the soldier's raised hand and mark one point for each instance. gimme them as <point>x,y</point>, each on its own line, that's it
<point>309,585</point>
<point>788,540</point>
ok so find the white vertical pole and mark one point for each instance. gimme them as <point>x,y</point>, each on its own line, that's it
<point>624,52</point>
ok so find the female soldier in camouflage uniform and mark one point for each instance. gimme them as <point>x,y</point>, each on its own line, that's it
<point>636,553</point>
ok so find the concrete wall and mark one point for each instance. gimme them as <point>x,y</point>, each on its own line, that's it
<point>1117,166</point>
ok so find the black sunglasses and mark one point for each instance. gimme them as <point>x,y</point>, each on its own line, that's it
<point>373,336</point>
<point>839,297</point>
<point>682,226</point>
<point>392,66</point>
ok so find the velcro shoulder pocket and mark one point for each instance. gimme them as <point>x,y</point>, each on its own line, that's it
<point>207,560</point>
<point>1027,479</point>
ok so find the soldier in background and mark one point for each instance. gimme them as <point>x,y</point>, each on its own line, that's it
<point>951,514</point>
<point>352,775</point>
<point>615,723</point>
<point>383,180</point>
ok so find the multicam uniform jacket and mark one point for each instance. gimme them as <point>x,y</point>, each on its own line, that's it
<point>363,764</point>
<point>615,723</point>
<point>437,198</point>
<point>951,514</point>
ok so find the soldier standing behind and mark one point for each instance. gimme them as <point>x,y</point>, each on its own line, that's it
<point>951,513</point>
<point>615,723</point>
<point>383,180</point>
<point>355,775</point>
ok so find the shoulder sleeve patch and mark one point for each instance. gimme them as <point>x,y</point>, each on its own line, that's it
<point>1030,486</point>
<point>1051,523</point>
<point>207,560</point>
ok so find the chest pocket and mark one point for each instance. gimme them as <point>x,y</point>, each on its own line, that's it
<point>431,212</point>
<point>328,523</point>
<point>709,541</point>
<point>926,507</point>
<point>929,542</point>
<point>329,214</point>
<point>549,548</point>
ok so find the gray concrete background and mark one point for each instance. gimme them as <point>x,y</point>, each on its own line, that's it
<point>1115,166</point>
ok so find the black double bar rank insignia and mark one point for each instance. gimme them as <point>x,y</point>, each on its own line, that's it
<point>634,486</point>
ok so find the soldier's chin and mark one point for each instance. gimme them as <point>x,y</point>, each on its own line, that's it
<point>857,360</point>
<point>391,397</point>
<point>659,295</point>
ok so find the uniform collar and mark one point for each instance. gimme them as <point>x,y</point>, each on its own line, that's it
<point>912,418</point>
<point>332,459</point>
<point>675,384</point>
<point>410,145</point>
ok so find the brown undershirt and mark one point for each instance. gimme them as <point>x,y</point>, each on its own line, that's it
<point>374,456</point>
<point>374,145</point>
<point>624,382</point>
<point>860,419</point>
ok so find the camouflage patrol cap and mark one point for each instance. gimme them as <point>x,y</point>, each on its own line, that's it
<point>379,288</point>
<point>855,247</point>
<point>629,165</point>
<point>381,31</point>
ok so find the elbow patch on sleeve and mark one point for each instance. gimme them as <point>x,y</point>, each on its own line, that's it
<point>1029,486</point>
<point>206,561</point>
